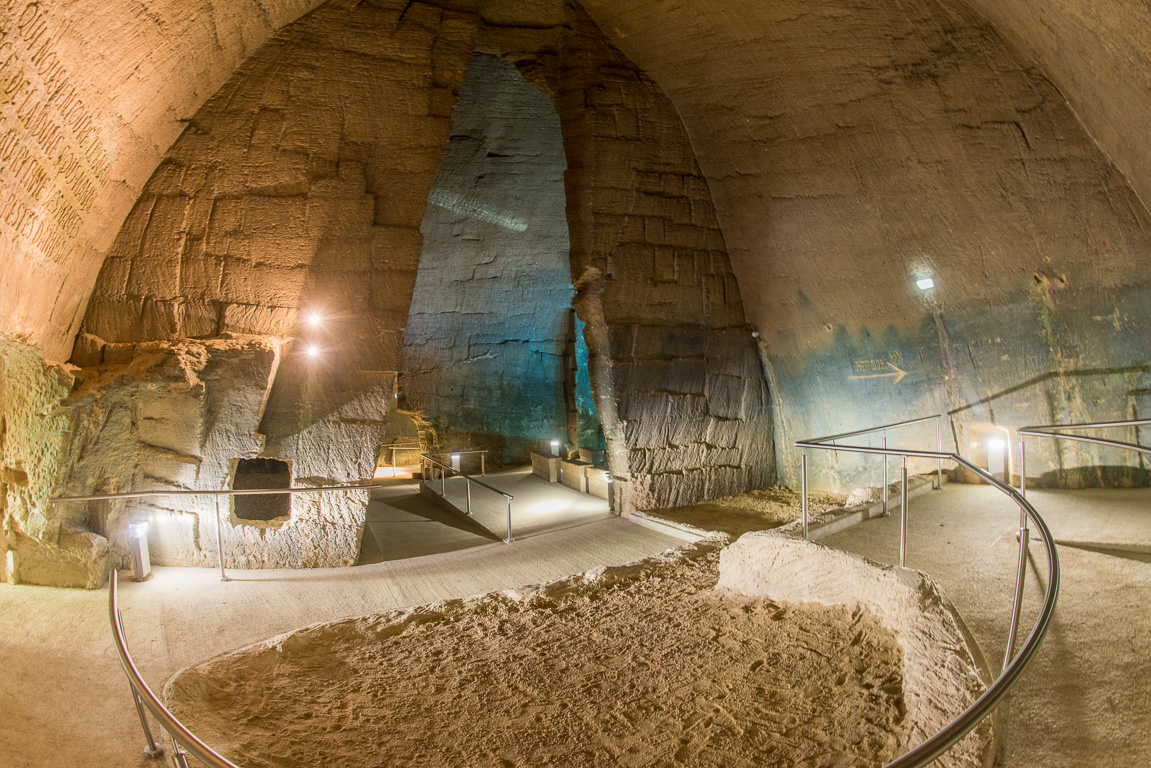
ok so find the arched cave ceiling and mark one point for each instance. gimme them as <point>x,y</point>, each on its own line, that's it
<point>141,69</point>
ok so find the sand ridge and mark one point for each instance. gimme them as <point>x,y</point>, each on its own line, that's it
<point>639,665</point>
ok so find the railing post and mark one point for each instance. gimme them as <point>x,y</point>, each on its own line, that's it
<point>886,482</point>
<point>393,461</point>
<point>483,469</point>
<point>1022,475</point>
<point>220,540</point>
<point>938,449</point>
<point>469,484</point>
<point>151,748</point>
<point>443,481</point>
<point>903,515</point>
<point>803,483</point>
<point>1020,576</point>
<point>508,540</point>
<point>178,755</point>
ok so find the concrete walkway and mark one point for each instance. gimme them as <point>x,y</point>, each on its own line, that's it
<point>401,523</point>
<point>1086,698</point>
<point>64,701</point>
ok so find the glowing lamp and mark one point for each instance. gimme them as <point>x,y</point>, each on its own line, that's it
<point>925,283</point>
<point>138,530</point>
<point>313,351</point>
<point>315,319</point>
<point>555,447</point>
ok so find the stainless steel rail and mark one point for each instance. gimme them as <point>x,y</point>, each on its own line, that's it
<point>1052,430</point>
<point>415,446</point>
<point>483,452</point>
<point>1014,664</point>
<point>445,468</point>
<point>819,442</point>
<point>224,492</point>
<point>182,738</point>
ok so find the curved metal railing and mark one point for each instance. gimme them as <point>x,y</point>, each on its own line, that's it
<point>1052,431</point>
<point>427,461</point>
<point>182,738</point>
<point>1014,664</point>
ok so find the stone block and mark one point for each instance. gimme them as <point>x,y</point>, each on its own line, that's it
<point>573,474</point>
<point>546,466</point>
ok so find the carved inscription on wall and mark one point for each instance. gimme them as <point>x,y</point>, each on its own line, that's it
<point>53,159</point>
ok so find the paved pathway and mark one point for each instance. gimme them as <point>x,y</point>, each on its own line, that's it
<point>1086,698</point>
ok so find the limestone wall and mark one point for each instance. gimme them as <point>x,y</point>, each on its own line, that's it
<point>679,389</point>
<point>852,149</point>
<point>91,96</point>
<point>488,334</point>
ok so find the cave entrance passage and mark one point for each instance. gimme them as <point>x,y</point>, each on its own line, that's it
<point>493,354</point>
<point>262,473</point>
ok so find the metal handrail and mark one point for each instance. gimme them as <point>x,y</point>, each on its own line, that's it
<point>1051,430</point>
<point>1014,664</point>
<point>817,442</point>
<point>469,480</point>
<point>144,698</point>
<point>483,452</point>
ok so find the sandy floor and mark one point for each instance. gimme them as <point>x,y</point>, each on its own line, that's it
<point>755,510</point>
<point>637,665</point>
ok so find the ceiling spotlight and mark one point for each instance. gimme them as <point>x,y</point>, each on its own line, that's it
<point>924,283</point>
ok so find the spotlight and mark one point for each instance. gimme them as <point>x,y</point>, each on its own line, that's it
<point>555,447</point>
<point>315,319</point>
<point>313,351</point>
<point>138,530</point>
<point>925,283</point>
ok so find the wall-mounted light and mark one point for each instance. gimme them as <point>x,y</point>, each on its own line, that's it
<point>312,351</point>
<point>136,530</point>
<point>925,283</point>
<point>607,478</point>
<point>315,319</point>
<point>555,447</point>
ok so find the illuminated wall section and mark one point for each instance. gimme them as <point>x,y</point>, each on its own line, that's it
<point>488,336</point>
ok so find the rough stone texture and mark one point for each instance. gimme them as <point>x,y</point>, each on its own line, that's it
<point>93,94</point>
<point>852,149</point>
<point>679,390</point>
<point>488,336</point>
<point>941,678</point>
<point>179,416</point>
<point>40,544</point>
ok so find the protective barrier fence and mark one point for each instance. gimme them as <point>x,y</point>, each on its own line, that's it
<point>1013,664</point>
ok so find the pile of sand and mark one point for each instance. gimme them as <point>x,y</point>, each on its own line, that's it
<point>633,666</point>
<point>755,510</point>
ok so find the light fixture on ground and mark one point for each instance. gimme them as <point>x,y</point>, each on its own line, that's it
<point>555,447</point>
<point>456,462</point>
<point>141,561</point>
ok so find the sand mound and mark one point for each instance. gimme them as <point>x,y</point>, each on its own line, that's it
<point>633,666</point>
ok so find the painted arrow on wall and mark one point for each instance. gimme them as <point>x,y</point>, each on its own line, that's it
<point>896,372</point>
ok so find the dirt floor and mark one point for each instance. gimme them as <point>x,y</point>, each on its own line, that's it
<point>755,510</point>
<point>640,665</point>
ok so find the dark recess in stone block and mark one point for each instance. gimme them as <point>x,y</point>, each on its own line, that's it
<point>262,473</point>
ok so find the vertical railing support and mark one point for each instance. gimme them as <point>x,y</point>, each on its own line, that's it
<point>1020,576</point>
<point>151,748</point>
<point>469,484</point>
<point>803,483</point>
<point>483,469</point>
<point>903,515</point>
<point>939,449</point>
<point>886,482</point>
<point>1022,473</point>
<point>508,540</point>
<point>220,540</point>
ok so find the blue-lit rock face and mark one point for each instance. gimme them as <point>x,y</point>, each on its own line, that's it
<point>490,335</point>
